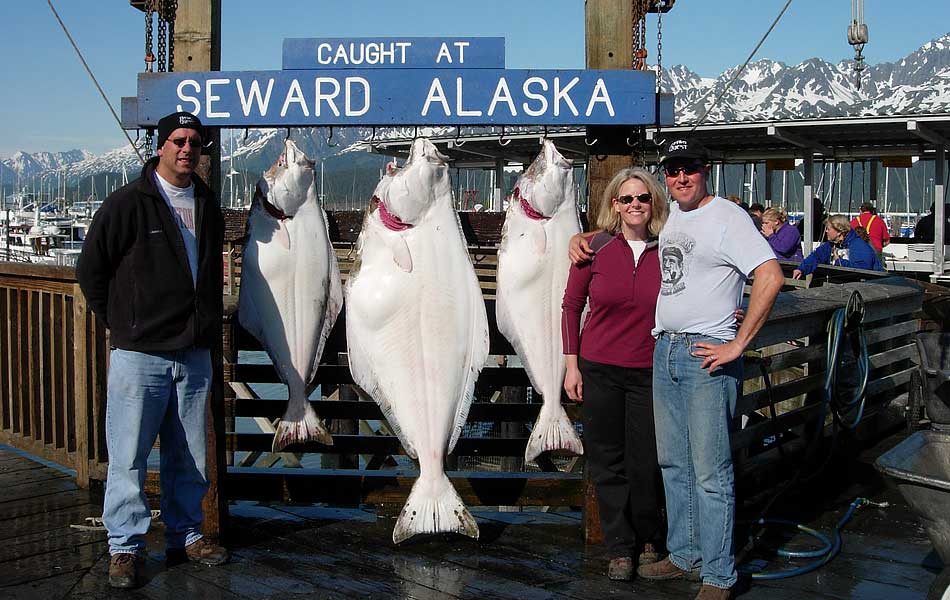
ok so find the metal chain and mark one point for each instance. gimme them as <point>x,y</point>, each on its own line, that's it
<point>172,16</point>
<point>149,57</point>
<point>659,44</point>
<point>162,37</point>
<point>639,34</point>
<point>147,148</point>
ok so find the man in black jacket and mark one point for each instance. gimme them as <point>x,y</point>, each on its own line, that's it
<point>151,270</point>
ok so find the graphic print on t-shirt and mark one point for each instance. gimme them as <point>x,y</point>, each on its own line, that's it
<point>186,217</point>
<point>675,258</point>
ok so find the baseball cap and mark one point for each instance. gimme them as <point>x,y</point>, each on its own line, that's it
<point>684,148</point>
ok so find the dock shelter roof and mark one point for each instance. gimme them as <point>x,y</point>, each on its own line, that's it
<point>838,139</point>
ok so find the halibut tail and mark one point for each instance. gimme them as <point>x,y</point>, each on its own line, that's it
<point>299,426</point>
<point>434,507</point>
<point>553,432</point>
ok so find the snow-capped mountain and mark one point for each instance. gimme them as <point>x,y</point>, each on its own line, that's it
<point>766,90</point>
<point>815,88</point>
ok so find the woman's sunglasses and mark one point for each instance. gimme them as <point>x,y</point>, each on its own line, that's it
<point>627,198</point>
<point>685,169</point>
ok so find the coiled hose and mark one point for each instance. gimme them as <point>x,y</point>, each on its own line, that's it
<point>850,318</point>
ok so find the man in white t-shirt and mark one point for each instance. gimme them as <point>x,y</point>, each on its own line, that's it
<point>708,248</point>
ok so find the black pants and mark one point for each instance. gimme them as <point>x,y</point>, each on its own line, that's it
<point>620,444</point>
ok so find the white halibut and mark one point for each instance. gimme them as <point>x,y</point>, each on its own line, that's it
<point>417,332</point>
<point>291,292</point>
<point>532,273</point>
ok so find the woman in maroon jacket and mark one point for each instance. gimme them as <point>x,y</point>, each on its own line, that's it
<point>610,366</point>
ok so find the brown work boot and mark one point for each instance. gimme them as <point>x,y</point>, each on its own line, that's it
<point>648,556</point>
<point>711,592</point>
<point>206,553</point>
<point>620,569</point>
<point>663,569</point>
<point>124,570</point>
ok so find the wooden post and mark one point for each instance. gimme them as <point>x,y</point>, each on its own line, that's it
<point>81,405</point>
<point>198,48</point>
<point>609,44</point>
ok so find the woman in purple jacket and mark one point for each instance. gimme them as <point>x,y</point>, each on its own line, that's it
<point>785,240</point>
<point>610,366</point>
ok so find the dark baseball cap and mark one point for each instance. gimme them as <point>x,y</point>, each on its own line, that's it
<point>684,148</point>
<point>178,120</point>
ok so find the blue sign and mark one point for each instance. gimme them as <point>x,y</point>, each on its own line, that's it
<point>387,97</point>
<point>394,53</point>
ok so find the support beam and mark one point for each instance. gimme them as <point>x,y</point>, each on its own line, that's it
<point>872,197</point>
<point>940,217</point>
<point>796,140</point>
<point>927,134</point>
<point>498,194</point>
<point>768,184</point>
<point>808,169</point>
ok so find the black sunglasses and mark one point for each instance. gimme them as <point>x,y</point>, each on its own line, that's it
<point>627,198</point>
<point>685,169</point>
<point>180,142</point>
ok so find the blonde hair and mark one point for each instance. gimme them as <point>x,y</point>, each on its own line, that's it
<point>609,220</point>
<point>775,214</point>
<point>839,223</point>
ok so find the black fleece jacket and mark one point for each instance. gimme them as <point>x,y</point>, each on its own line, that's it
<point>135,275</point>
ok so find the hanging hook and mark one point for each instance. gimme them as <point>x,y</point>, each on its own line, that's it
<point>589,144</point>
<point>138,132</point>
<point>330,139</point>
<point>544,135</point>
<point>288,134</point>
<point>458,137</point>
<point>415,132</point>
<point>246,131</point>
<point>372,138</point>
<point>501,138</point>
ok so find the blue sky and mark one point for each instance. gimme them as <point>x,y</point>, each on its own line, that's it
<point>49,103</point>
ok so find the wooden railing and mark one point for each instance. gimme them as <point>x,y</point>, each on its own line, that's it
<point>53,361</point>
<point>53,368</point>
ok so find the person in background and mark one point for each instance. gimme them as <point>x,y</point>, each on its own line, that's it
<point>844,248</point>
<point>610,366</point>
<point>151,271</point>
<point>784,239</point>
<point>818,223</point>
<point>734,199</point>
<point>924,230</point>
<point>874,225</point>
<point>756,210</point>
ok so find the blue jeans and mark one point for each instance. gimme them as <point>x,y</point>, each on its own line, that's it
<point>151,394</point>
<point>693,411</point>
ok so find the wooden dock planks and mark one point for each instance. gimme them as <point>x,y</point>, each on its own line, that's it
<point>316,552</point>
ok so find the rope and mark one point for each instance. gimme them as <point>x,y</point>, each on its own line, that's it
<point>96,523</point>
<point>94,80</point>
<point>741,69</point>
